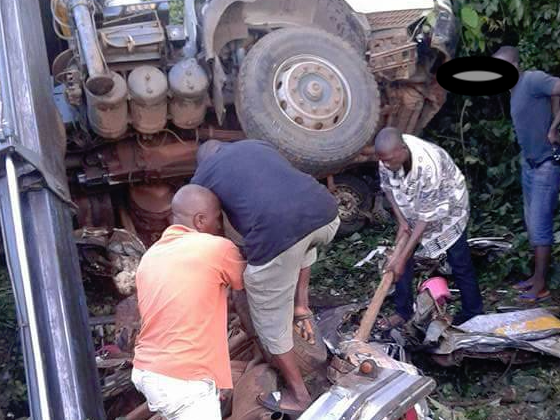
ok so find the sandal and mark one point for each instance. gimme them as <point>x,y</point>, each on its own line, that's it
<point>534,298</point>
<point>271,401</point>
<point>523,286</point>
<point>394,321</point>
<point>307,332</point>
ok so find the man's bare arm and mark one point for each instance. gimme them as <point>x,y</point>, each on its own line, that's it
<point>396,210</point>
<point>403,227</point>
<point>556,89</point>
<point>553,135</point>
<point>414,239</point>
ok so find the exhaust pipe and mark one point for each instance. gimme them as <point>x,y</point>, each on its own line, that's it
<point>99,81</point>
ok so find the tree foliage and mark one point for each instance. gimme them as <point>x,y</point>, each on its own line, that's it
<point>478,131</point>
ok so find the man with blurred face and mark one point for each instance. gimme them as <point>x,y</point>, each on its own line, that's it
<point>429,197</point>
<point>535,114</point>
<point>181,356</point>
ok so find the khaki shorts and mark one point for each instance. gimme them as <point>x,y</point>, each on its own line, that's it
<point>271,289</point>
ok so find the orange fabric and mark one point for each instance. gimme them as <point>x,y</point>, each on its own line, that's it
<point>182,297</point>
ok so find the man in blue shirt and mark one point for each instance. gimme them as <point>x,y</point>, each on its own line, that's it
<point>532,102</point>
<point>282,215</point>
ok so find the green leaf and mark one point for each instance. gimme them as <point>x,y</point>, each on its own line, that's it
<point>471,160</point>
<point>469,17</point>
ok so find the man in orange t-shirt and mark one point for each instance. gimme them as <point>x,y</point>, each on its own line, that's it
<point>181,357</point>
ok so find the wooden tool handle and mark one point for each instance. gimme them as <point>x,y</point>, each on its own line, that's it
<point>374,306</point>
<point>372,311</point>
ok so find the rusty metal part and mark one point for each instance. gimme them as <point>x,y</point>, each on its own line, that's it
<point>95,210</point>
<point>126,220</point>
<point>337,368</point>
<point>150,206</point>
<point>65,70</point>
<point>210,132</point>
<point>513,356</point>
<point>238,368</point>
<point>127,323</point>
<point>132,160</point>
<point>260,379</point>
<point>349,202</point>
<point>129,161</point>
<point>126,45</point>
<point>312,92</point>
<point>73,90</point>
<point>125,250</point>
<point>147,86</point>
<point>108,113</point>
<point>100,82</point>
<point>189,88</point>
<point>413,105</point>
<point>394,19</point>
<point>392,55</point>
<point>368,367</point>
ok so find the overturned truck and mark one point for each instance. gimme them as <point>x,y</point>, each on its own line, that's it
<point>140,84</point>
<point>95,160</point>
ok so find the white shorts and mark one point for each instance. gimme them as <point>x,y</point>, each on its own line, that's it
<point>176,399</point>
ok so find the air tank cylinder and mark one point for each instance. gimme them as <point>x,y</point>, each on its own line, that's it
<point>189,89</point>
<point>108,113</point>
<point>147,87</point>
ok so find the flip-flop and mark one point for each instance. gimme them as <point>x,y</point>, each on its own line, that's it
<point>522,286</point>
<point>532,298</point>
<point>272,402</point>
<point>300,318</point>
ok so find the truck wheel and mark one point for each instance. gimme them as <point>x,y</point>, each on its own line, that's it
<point>310,94</point>
<point>354,197</point>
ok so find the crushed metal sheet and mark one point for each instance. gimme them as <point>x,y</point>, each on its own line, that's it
<point>529,324</point>
<point>534,330</point>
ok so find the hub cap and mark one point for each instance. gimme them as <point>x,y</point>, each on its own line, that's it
<point>312,93</point>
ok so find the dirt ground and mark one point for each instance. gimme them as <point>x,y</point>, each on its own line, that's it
<point>476,390</point>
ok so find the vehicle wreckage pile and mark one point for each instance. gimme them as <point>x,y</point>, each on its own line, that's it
<point>373,380</point>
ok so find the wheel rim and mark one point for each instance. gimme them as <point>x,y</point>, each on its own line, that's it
<point>349,202</point>
<point>312,93</point>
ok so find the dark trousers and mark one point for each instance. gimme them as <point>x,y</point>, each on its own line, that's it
<point>459,258</point>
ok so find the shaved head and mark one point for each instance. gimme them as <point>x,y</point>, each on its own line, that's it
<point>509,54</point>
<point>207,149</point>
<point>391,149</point>
<point>388,140</point>
<point>197,208</point>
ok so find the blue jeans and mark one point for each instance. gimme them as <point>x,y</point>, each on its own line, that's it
<point>540,198</point>
<point>459,258</point>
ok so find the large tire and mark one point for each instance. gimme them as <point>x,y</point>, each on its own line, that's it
<point>310,94</point>
<point>354,197</point>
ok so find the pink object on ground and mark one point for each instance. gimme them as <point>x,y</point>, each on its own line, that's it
<point>438,288</point>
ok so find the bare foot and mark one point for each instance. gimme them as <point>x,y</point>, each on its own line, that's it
<point>538,286</point>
